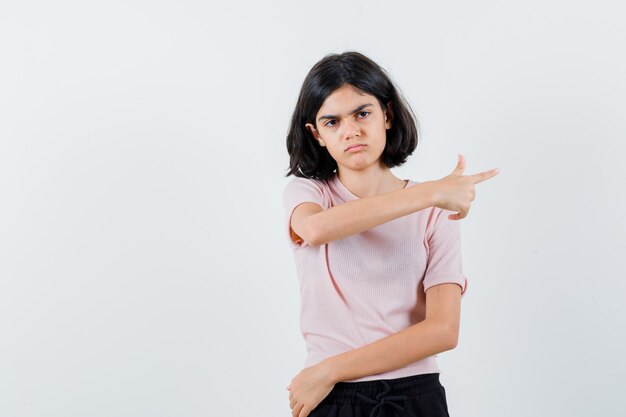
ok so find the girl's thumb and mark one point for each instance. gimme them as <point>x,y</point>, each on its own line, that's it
<point>460,165</point>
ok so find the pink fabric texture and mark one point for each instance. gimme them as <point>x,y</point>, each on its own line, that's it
<point>364,287</point>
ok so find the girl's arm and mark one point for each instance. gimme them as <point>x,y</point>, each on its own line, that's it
<point>318,226</point>
<point>437,333</point>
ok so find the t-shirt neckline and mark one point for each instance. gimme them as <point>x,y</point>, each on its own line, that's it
<point>347,194</point>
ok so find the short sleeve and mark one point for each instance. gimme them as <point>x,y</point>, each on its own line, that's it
<point>300,190</point>
<point>444,252</point>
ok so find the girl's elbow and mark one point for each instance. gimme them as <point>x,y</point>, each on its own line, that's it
<point>313,235</point>
<point>452,339</point>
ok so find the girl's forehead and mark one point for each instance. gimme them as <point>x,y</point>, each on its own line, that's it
<point>346,92</point>
<point>345,100</point>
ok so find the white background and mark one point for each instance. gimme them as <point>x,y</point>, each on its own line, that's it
<point>144,266</point>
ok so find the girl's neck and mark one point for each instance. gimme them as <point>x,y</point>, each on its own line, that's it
<point>364,184</point>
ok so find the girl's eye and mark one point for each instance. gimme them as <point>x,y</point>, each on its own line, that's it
<point>332,120</point>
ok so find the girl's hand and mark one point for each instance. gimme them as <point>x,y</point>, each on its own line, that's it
<point>456,191</point>
<point>309,388</point>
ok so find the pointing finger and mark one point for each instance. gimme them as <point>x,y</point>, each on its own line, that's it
<point>483,176</point>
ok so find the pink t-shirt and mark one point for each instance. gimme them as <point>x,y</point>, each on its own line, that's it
<point>364,287</point>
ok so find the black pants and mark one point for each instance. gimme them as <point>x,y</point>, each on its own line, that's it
<point>411,396</point>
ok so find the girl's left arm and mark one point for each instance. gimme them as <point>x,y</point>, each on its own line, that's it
<point>438,332</point>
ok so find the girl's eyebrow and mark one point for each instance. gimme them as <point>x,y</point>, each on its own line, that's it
<point>332,116</point>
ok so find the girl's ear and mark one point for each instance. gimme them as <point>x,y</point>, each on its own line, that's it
<point>315,134</point>
<point>388,115</point>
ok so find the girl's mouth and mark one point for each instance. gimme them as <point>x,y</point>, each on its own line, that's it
<point>356,148</point>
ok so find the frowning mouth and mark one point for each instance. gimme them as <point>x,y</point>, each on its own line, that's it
<point>356,147</point>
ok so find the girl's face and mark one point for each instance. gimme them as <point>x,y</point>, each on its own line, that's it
<point>349,117</point>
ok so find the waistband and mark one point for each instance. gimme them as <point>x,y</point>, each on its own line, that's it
<point>363,391</point>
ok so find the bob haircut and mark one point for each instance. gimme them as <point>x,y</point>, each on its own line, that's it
<point>308,159</point>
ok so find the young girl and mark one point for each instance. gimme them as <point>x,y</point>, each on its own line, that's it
<point>378,258</point>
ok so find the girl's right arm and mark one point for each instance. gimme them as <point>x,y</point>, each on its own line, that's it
<point>454,192</point>
<point>318,226</point>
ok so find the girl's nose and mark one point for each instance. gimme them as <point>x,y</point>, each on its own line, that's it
<point>351,129</point>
